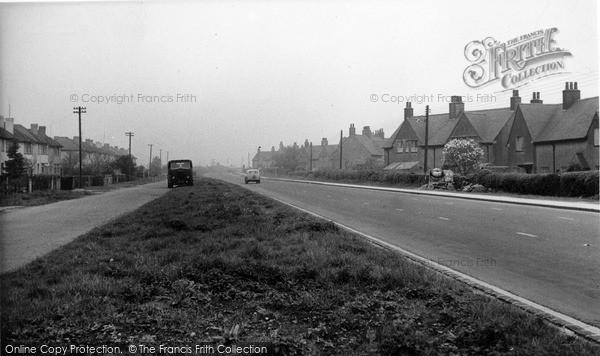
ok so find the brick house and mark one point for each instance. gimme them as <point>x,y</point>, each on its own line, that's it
<point>321,154</point>
<point>552,137</point>
<point>405,149</point>
<point>359,149</point>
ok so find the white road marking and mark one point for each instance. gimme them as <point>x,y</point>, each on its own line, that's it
<point>329,196</point>
<point>526,234</point>
<point>496,209</point>
<point>449,203</point>
<point>443,218</point>
<point>399,209</point>
<point>564,218</point>
<point>366,203</point>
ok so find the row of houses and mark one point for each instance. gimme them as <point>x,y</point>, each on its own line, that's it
<point>530,137</point>
<point>51,155</point>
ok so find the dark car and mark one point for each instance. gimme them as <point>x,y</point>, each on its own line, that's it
<point>180,173</point>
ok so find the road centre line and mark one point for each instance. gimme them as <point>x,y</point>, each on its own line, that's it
<point>443,218</point>
<point>565,218</point>
<point>496,209</point>
<point>566,322</point>
<point>399,209</point>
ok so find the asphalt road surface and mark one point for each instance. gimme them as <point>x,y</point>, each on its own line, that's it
<point>32,232</point>
<point>550,256</point>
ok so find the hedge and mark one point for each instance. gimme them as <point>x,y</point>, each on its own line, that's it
<point>571,184</point>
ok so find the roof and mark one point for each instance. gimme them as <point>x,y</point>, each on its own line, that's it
<point>5,135</point>
<point>402,166</point>
<point>536,116</point>
<point>488,124</point>
<point>67,143</point>
<point>47,140</point>
<point>21,134</point>
<point>573,123</point>
<point>373,144</point>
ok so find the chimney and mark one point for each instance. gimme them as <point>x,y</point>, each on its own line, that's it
<point>570,95</point>
<point>324,141</point>
<point>280,145</point>
<point>89,141</point>
<point>379,133</point>
<point>352,130</point>
<point>34,129</point>
<point>515,100</point>
<point>536,98</point>
<point>9,125</point>
<point>306,144</point>
<point>456,106</point>
<point>408,110</point>
<point>42,130</point>
<point>367,131</point>
<point>295,145</point>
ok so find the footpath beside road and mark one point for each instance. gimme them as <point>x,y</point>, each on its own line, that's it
<point>31,232</point>
<point>570,205</point>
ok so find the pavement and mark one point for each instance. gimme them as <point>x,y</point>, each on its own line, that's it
<point>557,204</point>
<point>31,232</point>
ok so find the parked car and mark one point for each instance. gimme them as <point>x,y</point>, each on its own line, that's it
<point>252,175</point>
<point>180,172</point>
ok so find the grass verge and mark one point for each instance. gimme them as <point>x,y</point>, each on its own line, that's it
<point>41,197</point>
<point>189,267</point>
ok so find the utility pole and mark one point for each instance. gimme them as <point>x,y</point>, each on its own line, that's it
<point>160,164</point>
<point>150,164</point>
<point>310,157</point>
<point>167,156</point>
<point>80,110</point>
<point>258,158</point>
<point>341,139</point>
<point>426,138</point>
<point>129,164</point>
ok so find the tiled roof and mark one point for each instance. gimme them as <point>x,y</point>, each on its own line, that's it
<point>536,116</point>
<point>5,135</point>
<point>373,144</point>
<point>573,123</point>
<point>67,143</point>
<point>21,134</point>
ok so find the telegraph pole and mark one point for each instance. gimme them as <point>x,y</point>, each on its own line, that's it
<point>150,164</point>
<point>310,157</point>
<point>80,110</point>
<point>160,164</point>
<point>341,139</point>
<point>426,138</point>
<point>130,161</point>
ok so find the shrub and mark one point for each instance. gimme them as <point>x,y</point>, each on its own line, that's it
<point>574,184</point>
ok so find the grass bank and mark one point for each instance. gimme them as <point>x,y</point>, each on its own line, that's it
<point>216,263</point>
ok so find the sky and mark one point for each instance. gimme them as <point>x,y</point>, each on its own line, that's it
<point>214,80</point>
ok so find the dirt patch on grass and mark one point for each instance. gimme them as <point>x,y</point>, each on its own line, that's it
<point>215,264</point>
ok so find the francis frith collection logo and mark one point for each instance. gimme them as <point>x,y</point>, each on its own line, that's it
<point>516,62</point>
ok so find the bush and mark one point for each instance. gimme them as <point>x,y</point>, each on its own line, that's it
<point>575,184</point>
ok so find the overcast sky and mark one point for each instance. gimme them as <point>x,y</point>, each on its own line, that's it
<point>254,73</point>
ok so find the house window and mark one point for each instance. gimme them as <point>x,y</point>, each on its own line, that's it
<point>43,149</point>
<point>596,137</point>
<point>28,149</point>
<point>414,147</point>
<point>56,168</point>
<point>519,144</point>
<point>400,146</point>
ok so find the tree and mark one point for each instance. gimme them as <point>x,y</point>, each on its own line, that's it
<point>465,155</point>
<point>155,166</point>
<point>123,165</point>
<point>289,158</point>
<point>15,167</point>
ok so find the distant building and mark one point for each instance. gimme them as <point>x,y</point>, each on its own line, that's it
<point>359,149</point>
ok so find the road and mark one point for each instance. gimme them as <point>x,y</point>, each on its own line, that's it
<point>550,256</point>
<point>32,232</point>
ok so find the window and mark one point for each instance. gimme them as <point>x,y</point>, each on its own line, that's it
<point>596,136</point>
<point>28,149</point>
<point>400,146</point>
<point>43,149</point>
<point>519,144</point>
<point>414,147</point>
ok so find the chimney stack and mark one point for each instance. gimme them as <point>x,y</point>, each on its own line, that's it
<point>280,145</point>
<point>306,144</point>
<point>536,98</point>
<point>34,129</point>
<point>456,106</point>
<point>408,110</point>
<point>9,125</point>
<point>515,100</point>
<point>352,130</point>
<point>367,131</point>
<point>42,130</point>
<point>324,141</point>
<point>570,95</point>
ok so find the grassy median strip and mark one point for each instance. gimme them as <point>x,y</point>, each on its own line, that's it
<point>217,263</point>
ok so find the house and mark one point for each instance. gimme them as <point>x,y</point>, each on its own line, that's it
<point>6,139</point>
<point>264,159</point>
<point>359,149</point>
<point>405,149</point>
<point>552,137</point>
<point>49,149</point>
<point>320,156</point>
